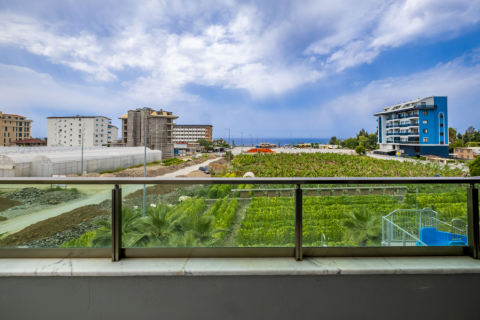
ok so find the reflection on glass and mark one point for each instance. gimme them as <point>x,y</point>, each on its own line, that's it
<point>54,216</point>
<point>208,216</point>
<point>384,215</point>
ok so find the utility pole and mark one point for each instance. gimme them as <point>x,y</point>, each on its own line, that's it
<point>145,164</point>
<point>229,143</point>
<point>83,127</point>
<point>242,141</point>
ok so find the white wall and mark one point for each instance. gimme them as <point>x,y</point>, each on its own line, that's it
<point>67,131</point>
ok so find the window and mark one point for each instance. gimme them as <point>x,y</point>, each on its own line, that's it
<point>424,113</point>
<point>425,121</point>
<point>441,116</point>
<point>425,130</point>
<point>441,133</point>
<point>79,125</point>
<point>441,124</point>
<point>441,142</point>
<point>96,125</point>
<point>425,139</point>
<point>96,119</point>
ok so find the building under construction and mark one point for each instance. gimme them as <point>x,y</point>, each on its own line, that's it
<point>157,124</point>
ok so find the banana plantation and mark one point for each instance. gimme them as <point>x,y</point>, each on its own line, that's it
<point>333,165</point>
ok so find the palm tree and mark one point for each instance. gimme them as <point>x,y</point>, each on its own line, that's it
<point>362,225</point>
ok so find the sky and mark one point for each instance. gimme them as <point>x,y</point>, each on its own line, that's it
<point>268,68</point>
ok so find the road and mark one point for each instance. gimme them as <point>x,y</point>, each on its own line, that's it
<point>187,170</point>
<point>99,195</point>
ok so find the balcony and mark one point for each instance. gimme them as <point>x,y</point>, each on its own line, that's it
<point>414,115</point>
<point>87,279</point>
<point>392,118</point>
<point>393,126</point>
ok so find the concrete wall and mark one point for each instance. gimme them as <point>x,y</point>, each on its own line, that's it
<point>244,297</point>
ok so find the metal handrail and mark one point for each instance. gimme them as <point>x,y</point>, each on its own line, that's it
<point>297,180</point>
<point>298,251</point>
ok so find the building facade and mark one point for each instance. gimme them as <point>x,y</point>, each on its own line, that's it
<point>466,153</point>
<point>414,128</point>
<point>192,132</point>
<point>30,143</point>
<point>112,134</point>
<point>159,127</point>
<point>68,131</point>
<point>14,128</point>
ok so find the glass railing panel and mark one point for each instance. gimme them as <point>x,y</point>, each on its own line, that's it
<point>384,215</point>
<point>55,216</point>
<point>219,215</point>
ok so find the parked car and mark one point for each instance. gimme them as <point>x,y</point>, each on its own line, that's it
<point>204,169</point>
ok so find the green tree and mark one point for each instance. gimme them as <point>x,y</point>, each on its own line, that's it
<point>360,150</point>
<point>351,143</point>
<point>333,140</point>
<point>362,226</point>
<point>474,167</point>
<point>452,133</point>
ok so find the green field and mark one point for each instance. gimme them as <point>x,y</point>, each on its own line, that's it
<point>333,165</point>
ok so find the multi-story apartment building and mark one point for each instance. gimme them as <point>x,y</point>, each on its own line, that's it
<point>68,131</point>
<point>158,124</point>
<point>469,153</point>
<point>112,134</point>
<point>414,128</point>
<point>192,132</point>
<point>14,128</point>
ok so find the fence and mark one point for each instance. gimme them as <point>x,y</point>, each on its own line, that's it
<point>402,233</point>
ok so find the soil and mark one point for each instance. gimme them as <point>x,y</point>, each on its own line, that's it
<point>32,200</point>
<point>57,197</point>
<point>6,203</point>
<point>48,227</point>
<point>156,190</point>
<point>157,170</point>
<point>197,174</point>
<point>60,238</point>
<point>25,195</point>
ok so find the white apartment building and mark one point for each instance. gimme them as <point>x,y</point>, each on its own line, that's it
<point>192,132</point>
<point>68,131</point>
<point>112,134</point>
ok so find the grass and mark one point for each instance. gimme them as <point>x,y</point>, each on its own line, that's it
<point>72,190</point>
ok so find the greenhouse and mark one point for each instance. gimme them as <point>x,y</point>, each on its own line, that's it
<point>66,161</point>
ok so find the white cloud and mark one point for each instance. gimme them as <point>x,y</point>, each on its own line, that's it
<point>266,49</point>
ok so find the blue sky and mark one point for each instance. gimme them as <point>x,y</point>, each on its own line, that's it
<point>271,68</point>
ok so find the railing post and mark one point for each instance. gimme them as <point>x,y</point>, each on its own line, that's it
<point>298,223</point>
<point>116,223</point>
<point>473,221</point>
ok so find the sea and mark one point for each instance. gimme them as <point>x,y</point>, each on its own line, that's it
<point>283,141</point>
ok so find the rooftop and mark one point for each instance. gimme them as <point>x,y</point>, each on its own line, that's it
<point>80,117</point>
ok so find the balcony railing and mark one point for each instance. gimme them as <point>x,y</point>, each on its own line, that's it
<point>280,217</point>
<point>419,106</point>
<point>393,126</point>
<point>416,114</point>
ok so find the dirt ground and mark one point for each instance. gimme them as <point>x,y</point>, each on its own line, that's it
<point>197,174</point>
<point>7,204</point>
<point>50,226</point>
<point>158,189</point>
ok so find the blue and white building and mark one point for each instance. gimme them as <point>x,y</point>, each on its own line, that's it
<point>414,128</point>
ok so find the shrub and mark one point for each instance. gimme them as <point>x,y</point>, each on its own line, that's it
<point>422,158</point>
<point>360,149</point>
<point>474,167</point>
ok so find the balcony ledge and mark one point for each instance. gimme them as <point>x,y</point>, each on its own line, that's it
<point>237,266</point>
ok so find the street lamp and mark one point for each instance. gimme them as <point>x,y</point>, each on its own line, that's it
<point>251,139</point>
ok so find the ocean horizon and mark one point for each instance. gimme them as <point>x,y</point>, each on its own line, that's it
<point>283,141</point>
